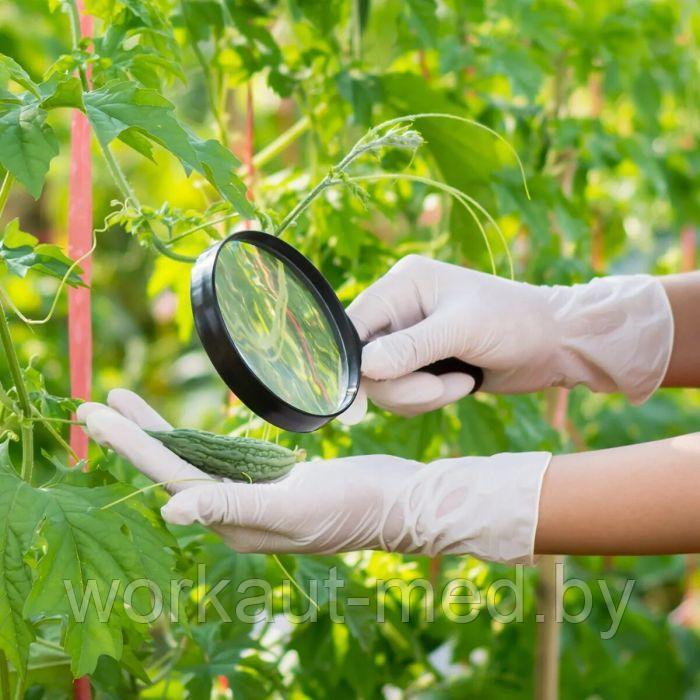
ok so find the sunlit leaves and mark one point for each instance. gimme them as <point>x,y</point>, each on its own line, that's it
<point>422,18</point>
<point>149,12</point>
<point>20,511</point>
<point>21,252</point>
<point>10,70</point>
<point>88,549</point>
<point>27,144</point>
<point>122,106</point>
<point>82,548</point>
<point>61,91</point>
<point>361,91</point>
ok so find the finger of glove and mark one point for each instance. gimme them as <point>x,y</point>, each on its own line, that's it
<point>133,407</point>
<point>357,410</point>
<point>147,454</point>
<point>392,302</point>
<point>406,351</point>
<point>249,540</point>
<point>85,409</point>
<point>453,387</point>
<point>261,506</point>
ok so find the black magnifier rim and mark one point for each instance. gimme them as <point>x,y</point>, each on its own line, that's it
<point>224,354</point>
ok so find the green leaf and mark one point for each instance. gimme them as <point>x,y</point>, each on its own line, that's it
<point>422,18</point>
<point>282,83</point>
<point>121,105</point>
<point>361,91</point>
<point>62,92</point>
<point>11,70</point>
<point>147,11</point>
<point>323,14</point>
<point>21,508</point>
<point>518,65</point>
<point>140,143</point>
<point>49,667</point>
<point>15,238</point>
<point>21,253</point>
<point>94,554</point>
<point>27,145</point>
<point>482,431</point>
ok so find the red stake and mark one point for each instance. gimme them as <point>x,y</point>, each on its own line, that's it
<point>79,242</point>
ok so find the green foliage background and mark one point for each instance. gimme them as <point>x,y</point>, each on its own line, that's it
<point>601,99</point>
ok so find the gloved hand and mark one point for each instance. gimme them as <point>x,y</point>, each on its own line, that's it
<point>485,506</point>
<point>612,334</point>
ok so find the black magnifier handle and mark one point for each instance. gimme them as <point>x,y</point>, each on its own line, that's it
<point>453,364</point>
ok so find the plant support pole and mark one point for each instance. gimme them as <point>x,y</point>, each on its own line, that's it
<point>550,588</point>
<point>549,615</point>
<point>79,245</point>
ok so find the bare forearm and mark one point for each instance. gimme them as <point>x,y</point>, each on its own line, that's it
<point>684,294</point>
<point>642,499</point>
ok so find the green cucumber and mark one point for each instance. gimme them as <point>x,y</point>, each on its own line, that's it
<point>238,458</point>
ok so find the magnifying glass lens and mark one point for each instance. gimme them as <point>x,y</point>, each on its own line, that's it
<point>281,328</point>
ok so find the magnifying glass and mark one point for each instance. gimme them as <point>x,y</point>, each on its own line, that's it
<point>278,335</point>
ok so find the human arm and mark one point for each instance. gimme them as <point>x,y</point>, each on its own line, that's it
<point>683,292</point>
<point>611,334</point>
<point>639,499</point>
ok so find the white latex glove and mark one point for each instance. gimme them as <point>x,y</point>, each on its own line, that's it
<point>485,506</point>
<point>612,334</point>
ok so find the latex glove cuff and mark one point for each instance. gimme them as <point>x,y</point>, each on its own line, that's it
<point>484,506</point>
<point>615,334</point>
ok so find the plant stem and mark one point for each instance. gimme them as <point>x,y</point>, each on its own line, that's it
<point>64,421</point>
<point>208,79</point>
<point>299,208</point>
<point>294,582</point>
<point>164,250</point>
<point>129,195</point>
<point>19,688</point>
<point>200,227</point>
<point>228,18</point>
<point>279,144</point>
<point>27,427</point>
<point>112,165</point>
<point>74,17</point>
<point>4,677</point>
<point>131,495</point>
<point>5,189</point>
<point>117,175</point>
<point>356,31</point>
<point>46,422</point>
<point>371,141</point>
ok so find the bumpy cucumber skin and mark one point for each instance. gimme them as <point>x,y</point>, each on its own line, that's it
<point>238,458</point>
